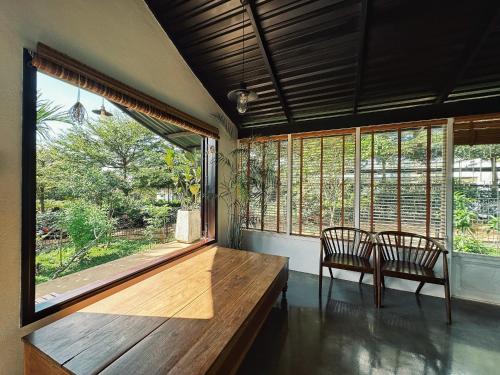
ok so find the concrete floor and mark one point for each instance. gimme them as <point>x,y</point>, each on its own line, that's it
<point>347,335</point>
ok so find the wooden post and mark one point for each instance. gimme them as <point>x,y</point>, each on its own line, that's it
<point>428,183</point>
<point>398,194</point>
<point>300,184</point>
<point>321,187</point>
<point>278,185</point>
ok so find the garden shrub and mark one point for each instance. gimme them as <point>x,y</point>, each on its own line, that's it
<point>86,223</point>
<point>467,243</point>
<point>158,218</point>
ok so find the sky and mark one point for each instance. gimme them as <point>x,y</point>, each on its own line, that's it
<point>65,95</point>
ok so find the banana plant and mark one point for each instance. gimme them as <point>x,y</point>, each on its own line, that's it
<point>185,170</point>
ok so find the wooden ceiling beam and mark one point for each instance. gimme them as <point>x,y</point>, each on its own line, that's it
<point>490,18</point>
<point>361,54</point>
<point>427,112</point>
<point>251,10</point>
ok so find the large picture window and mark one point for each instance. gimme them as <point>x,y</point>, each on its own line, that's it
<point>108,192</point>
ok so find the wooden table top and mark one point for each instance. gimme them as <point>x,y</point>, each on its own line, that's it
<point>179,320</point>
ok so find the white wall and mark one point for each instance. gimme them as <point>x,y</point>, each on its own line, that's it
<point>476,277</point>
<point>304,257</point>
<point>118,37</point>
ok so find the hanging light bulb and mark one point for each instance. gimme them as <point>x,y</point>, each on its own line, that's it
<point>242,96</point>
<point>242,102</point>
<point>102,111</point>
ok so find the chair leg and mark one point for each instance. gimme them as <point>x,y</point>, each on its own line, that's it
<point>331,273</point>
<point>419,288</point>
<point>448,300</point>
<point>361,277</point>
<point>382,281</point>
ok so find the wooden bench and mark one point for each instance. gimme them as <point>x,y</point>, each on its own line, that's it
<point>196,316</point>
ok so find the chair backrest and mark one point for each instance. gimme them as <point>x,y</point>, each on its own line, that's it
<point>408,247</point>
<point>347,241</point>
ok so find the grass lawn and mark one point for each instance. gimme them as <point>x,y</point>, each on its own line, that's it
<point>48,262</point>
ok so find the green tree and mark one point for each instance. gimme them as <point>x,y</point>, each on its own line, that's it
<point>185,170</point>
<point>47,111</point>
<point>464,216</point>
<point>117,143</point>
<point>485,152</point>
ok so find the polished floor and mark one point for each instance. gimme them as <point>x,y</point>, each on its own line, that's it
<point>347,335</point>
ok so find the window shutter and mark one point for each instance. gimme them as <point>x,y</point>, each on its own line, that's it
<point>403,179</point>
<point>477,130</point>
<point>322,182</point>
<point>266,170</point>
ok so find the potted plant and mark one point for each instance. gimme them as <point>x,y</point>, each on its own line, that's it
<point>185,172</point>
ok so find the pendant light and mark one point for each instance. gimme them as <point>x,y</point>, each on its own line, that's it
<point>78,113</point>
<point>102,111</point>
<point>242,96</point>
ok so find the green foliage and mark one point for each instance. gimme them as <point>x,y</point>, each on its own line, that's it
<point>185,170</point>
<point>85,223</point>
<point>47,111</point>
<point>116,143</point>
<point>158,218</point>
<point>236,189</point>
<point>49,262</point>
<point>494,224</point>
<point>464,216</point>
<point>467,243</point>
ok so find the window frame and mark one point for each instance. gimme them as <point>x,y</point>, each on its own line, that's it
<point>30,312</point>
<point>295,165</point>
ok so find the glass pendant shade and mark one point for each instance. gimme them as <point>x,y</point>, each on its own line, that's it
<point>242,102</point>
<point>242,97</point>
<point>102,111</point>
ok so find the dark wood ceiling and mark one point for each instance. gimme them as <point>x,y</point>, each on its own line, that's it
<point>334,63</point>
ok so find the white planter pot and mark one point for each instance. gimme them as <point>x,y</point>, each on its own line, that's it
<point>188,226</point>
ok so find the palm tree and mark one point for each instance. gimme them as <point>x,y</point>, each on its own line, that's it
<point>47,111</point>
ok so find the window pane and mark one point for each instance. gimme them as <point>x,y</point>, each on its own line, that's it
<point>476,199</point>
<point>111,194</point>
<point>365,181</point>
<point>403,183</point>
<point>267,176</point>
<point>413,180</point>
<point>338,181</point>
<point>336,188</point>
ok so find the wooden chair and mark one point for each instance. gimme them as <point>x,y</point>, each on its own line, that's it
<point>412,257</point>
<point>348,249</point>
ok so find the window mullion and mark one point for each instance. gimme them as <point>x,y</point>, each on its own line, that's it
<point>398,176</point>
<point>357,178</point>
<point>449,188</point>
<point>289,186</point>
<point>278,184</point>
<point>321,187</point>
<point>428,183</point>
